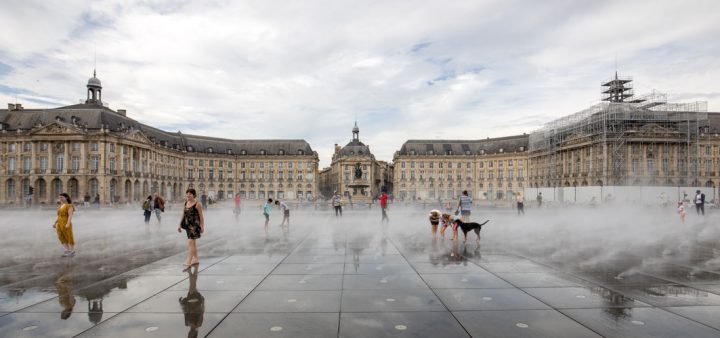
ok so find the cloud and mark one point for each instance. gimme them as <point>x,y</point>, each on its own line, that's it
<point>263,69</point>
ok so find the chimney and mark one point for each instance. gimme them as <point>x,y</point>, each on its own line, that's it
<point>122,112</point>
<point>18,106</point>
<point>11,106</point>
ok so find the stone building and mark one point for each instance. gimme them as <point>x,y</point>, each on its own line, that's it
<point>90,148</point>
<point>493,169</point>
<point>627,140</point>
<point>355,173</point>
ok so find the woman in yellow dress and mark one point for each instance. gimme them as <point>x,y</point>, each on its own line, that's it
<point>63,225</point>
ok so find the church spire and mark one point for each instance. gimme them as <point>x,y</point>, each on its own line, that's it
<point>356,132</point>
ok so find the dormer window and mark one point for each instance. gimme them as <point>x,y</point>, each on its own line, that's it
<point>281,152</point>
<point>210,150</point>
<point>482,151</point>
<point>262,152</point>
<point>467,152</point>
<point>522,148</point>
<point>189,148</point>
<point>501,150</point>
<point>229,151</point>
<point>360,152</point>
<point>243,152</point>
<point>352,152</point>
<point>449,152</point>
<point>301,152</point>
<point>431,152</point>
<point>412,152</point>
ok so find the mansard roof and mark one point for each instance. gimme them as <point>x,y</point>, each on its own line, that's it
<point>465,147</point>
<point>94,117</point>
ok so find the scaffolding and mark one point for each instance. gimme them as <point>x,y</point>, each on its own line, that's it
<point>621,118</point>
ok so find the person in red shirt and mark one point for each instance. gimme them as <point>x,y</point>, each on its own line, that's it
<point>383,206</point>
<point>236,211</point>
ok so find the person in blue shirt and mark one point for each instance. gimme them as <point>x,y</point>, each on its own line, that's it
<point>266,212</point>
<point>464,206</point>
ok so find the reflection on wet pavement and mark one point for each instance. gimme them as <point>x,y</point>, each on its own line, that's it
<point>351,278</point>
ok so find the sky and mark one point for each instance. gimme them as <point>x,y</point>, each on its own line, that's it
<point>309,69</point>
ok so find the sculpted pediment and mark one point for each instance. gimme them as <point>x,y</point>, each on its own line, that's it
<point>655,129</point>
<point>58,128</point>
<point>139,136</point>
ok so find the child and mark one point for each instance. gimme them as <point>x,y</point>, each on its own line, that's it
<point>447,220</point>
<point>434,221</point>
<point>681,211</point>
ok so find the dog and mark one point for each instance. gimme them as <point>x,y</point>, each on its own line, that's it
<point>470,226</point>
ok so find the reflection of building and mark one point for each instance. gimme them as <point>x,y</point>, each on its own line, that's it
<point>628,140</point>
<point>90,148</point>
<point>354,172</point>
<point>442,169</point>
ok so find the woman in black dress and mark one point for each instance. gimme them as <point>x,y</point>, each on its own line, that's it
<point>194,224</point>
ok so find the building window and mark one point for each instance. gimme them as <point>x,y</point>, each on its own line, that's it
<point>402,165</point>
<point>11,147</point>
<point>60,162</point>
<point>94,147</point>
<point>43,147</point>
<point>76,147</point>
<point>75,163</point>
<point>211,173</point>
<point>95,163</point>
<point>201,174</point>
<point>27,147</point>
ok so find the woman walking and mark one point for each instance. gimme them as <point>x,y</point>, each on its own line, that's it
<point>193,222</point>
<point>147,209</point>
<point>63,224</point>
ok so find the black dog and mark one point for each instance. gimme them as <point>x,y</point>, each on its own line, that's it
<point>468,226</point>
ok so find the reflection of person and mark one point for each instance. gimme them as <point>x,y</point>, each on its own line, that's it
<point>64,285</point>
<point>193,305</point>
<point>193,222</point>
<point>63,224</point>
<point>539,199</point>
<point>520,204</point>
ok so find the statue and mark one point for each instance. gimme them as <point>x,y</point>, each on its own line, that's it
<point>358,171</point>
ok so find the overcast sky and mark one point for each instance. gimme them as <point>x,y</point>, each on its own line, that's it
<point>309,69</point>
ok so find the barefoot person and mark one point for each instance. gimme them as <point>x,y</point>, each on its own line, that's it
<point>681,211</point>
<point>63,224</point>
<point>434,221</point>
<point>286,213</point>
<point>266,213</point>
<point>193,222</point>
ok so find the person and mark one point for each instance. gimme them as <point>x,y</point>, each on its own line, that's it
<point>97,201</point>
<point>336,203</point>
<point>86,200</point>
<point>539,199</point>
<point>193,221</point>
<point>681,211</point>
<point>158,207</point>
<point>520,204</point>
<point>663,200</point>
<point>204,200</point>
<point>236,211</point>
<point>464,205</point>
<point>383,207</point>
<point>266,213</point>
<point>147,208</point>
<point>286,212</point>
<point>700,202</point>
<point>434,221</point>
<point>63,224</point>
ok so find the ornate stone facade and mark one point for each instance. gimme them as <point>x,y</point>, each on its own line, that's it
<point>89,148</point>
<point>492,169</point>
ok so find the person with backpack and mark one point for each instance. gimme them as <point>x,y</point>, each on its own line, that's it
<point>464,206</point>
<point>147,209</point>
<point>700,202</point>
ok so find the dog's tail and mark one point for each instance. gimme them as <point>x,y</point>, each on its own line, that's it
<point>483,223</point>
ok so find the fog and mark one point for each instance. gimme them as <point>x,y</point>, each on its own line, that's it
<point>622,239</point>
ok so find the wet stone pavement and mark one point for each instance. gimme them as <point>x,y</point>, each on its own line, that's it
<point>347,278</point>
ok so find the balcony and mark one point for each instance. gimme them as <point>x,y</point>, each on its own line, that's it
<point>11,172</point>
<point>113,172</point>
<point>56,171</point>
<point>27,171</point>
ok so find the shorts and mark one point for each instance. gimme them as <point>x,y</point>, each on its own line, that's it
<point>465,212</point>
<point>434,222</point>
<point>267,216</point>
<point>286,213</point>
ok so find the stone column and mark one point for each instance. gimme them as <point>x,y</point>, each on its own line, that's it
<point>51,160</point>
<point>66,160</point>
<point>33,159</point>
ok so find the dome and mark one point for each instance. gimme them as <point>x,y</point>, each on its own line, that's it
<point>94,82</point>
<point>355,148</point>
